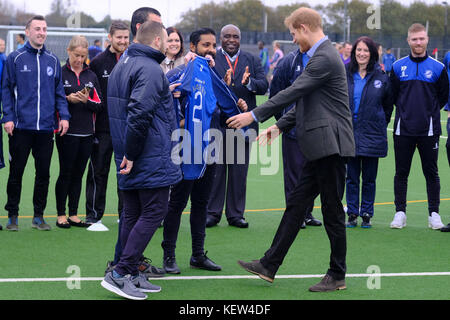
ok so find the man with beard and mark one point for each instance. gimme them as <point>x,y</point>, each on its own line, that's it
<point>420,88</point>
<point>142,120</point>
<point>245,77</point>
<point>100,161</point>
<point>203,44</point>
<point>139,17</point>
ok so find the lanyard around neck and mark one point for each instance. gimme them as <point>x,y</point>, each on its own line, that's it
<point>233,68</point>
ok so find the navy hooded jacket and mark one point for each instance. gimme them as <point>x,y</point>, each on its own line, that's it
<point>32,90</point>
<point>142,119</point>
<point>374,114</point>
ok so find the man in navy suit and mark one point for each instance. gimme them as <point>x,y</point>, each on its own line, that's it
<point>245,76</point>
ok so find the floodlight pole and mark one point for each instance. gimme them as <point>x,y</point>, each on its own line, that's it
<point>345,19</point>
<point>445,3</point>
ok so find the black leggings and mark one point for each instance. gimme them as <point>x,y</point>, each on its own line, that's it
<point>73,153</point>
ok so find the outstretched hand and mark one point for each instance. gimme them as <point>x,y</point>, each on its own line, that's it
<point>240,121</point>
<point>268,136</point>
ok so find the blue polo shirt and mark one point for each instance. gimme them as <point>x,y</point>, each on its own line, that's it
<point>359,84</point>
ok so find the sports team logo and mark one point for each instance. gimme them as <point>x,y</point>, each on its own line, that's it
<point>377,84</point>
<point>428,74</point>
<point>49,71</point>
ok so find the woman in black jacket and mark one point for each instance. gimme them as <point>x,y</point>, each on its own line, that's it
<point>371,103</point>
<point>74,148</point>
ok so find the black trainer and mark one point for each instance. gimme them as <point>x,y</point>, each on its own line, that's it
<point>311,221</point>
<point>170,265</point>
<point>13,224</point>
<point>446,228</point>
<point>366,221</point>
<point>352,221</point>
<point>203,262</point>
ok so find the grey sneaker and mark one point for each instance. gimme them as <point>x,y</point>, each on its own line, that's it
<point>123,287</point>
<point>13,224</point>
<point>40,224</point>
<point>328,283</point>
<point>141,283</point>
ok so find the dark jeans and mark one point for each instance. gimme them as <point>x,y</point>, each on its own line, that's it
<point>404,147</point>
<point>73,153</point>
<point>367,167</point>
<point>324,177</point>
<point>199,191</point>
<point>97,178</point>
<point>293,163</point>
<point>144,209</point>
<point>41,146</point>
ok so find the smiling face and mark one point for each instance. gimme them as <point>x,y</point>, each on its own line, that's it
<point>173,44</point>
<point>418,42</point>
<point>206,45</point>
<point>231,40</point>
<point>37,33</point>
<point>119,40</point>
<point>362,53</point>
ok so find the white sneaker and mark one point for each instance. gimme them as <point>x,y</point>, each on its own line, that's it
<point>435,222</point>
<point>98,226</point>
<point>399,220</point>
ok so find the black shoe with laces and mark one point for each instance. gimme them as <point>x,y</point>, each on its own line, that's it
<point>203,262</point>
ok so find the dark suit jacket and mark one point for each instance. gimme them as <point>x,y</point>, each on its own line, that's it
<point>258,81</point>
<point>323,121</point>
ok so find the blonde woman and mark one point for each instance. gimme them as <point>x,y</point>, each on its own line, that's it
<point>74,148</point>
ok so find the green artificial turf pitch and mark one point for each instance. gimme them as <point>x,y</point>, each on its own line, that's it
<point>31,254</point>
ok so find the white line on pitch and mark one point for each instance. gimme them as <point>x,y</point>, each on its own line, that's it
<point>298,276</point>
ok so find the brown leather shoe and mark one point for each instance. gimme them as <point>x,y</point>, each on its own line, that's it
<point>257,268</point>
<point>328,283</point>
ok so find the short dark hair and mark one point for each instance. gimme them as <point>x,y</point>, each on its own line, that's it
<point>353,65</point>
<point>117,25</point>
<point>40,18</point>
<point>195,36</point>
<point>140,16</point>
<point>21,35</point>
<point>172,30</point>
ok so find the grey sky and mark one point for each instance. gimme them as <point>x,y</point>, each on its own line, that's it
<point>171,10</point>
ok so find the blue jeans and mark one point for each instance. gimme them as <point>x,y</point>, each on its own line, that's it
<point>367,167</point>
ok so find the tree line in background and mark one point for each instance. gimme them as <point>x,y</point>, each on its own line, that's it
<point>250,15</point>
